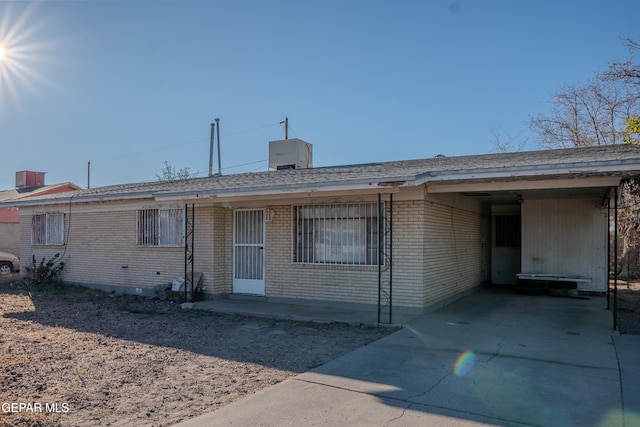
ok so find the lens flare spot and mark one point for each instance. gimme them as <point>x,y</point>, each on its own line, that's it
<point>465,363</point>
<point>2,52</point>
<point>616,418</point>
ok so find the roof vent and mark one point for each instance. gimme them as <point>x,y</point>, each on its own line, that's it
<point>291,153</point>
<point>26,179</point>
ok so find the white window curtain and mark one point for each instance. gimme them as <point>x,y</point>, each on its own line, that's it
<point>47,229</point>
<point>337,234</point>
<point>160,227</point>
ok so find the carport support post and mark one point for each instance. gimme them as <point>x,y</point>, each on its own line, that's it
<point>380,254</point>
<point>608,253</point>
<point>615,258</point>
<point>390,256</point>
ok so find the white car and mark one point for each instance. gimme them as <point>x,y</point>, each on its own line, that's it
<point>9,263</point>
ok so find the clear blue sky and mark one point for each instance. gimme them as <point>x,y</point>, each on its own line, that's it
<point>130,84</point>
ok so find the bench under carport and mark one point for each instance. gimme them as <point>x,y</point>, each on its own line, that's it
<point>535,283</point>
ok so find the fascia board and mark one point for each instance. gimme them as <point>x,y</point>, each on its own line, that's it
<point>544,184</point>
<point>530,171</point>
<point>385,186</point>
<point>78,199</point>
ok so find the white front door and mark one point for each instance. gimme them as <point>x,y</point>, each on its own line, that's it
<point>248,252</point>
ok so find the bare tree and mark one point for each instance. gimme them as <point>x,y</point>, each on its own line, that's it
<point>628,70</point>
<point>594,113</point>
<point>170,173</point>
<point>504,142</point>
<point>604,110</point>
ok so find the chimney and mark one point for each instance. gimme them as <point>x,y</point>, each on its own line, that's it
<point>25,179</point>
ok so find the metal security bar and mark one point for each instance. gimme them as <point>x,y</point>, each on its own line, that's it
<point>337,234</point>
<point>249,244</point>
<point>148,227</point>
<point>160,227</point>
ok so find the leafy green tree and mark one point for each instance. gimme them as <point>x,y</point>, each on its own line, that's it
<point>632,130</point>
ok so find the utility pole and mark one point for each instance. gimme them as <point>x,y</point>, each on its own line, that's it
<point>286,127</point>
<point>211,150</point>
<point>89,174</point>
<point>219,162</point>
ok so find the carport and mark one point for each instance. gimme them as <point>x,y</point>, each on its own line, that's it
<point>550,228</point>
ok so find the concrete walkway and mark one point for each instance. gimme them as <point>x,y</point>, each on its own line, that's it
<point>306,313</point>
<point>492,358</point>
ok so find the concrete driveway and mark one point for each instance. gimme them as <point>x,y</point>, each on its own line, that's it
<point>492,358</point>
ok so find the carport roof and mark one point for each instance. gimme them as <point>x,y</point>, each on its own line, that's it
<point>611,160</point>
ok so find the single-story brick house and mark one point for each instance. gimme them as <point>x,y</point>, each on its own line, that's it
<point>419,232</point>
<point>27,184</point>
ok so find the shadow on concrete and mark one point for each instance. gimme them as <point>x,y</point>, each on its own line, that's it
<point>493,357</point>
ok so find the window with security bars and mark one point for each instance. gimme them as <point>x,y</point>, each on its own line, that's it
<point>47,229</point>
<point>508,231</point>
<point>160,227</point>
<point>336,234</point>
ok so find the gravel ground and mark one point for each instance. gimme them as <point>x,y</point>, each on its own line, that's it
<point>78,357</point>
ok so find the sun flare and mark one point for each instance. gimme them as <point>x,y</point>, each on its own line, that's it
<point>24,52</point>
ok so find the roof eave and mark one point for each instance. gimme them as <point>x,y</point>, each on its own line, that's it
<point>292,189</point>
<point>609,167</point>
<point>76,199</point>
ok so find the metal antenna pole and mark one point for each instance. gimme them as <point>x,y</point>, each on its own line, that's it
<point>218,133</point>
<point>89,174</point>
<point>211,150</point>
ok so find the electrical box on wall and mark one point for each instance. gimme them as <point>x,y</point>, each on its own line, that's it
<point>290,154</point>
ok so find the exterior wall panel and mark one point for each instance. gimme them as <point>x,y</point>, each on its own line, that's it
<point>567,236</point>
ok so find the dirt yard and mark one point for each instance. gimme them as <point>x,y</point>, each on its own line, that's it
<point>628,307</point>
<point>79,357</point>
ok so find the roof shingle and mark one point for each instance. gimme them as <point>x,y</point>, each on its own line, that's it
<point>372,172</point>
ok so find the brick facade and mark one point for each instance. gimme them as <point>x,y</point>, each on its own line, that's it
<point>437,254</point>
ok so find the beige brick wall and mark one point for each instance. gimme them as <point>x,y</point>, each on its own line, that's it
<point>353,284</point>
<point>222,251</point>
<point>101,249</point>
<point>456,251</point>
<point>438,252</point>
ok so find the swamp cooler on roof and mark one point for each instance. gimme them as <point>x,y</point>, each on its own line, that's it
<point>291,153</point>
<point>29,179</point>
